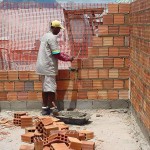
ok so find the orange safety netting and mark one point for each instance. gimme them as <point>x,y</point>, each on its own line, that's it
<point>23,24</point>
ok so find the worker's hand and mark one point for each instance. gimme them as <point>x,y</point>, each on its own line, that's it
<point>72,58</point>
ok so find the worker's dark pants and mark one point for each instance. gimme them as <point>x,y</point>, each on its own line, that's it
<point>48,98</point>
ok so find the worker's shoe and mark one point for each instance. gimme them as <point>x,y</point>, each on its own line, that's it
<point>54,111</point>
<point>45,111</point>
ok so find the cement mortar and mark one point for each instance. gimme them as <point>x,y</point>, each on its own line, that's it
<point>114,129</point>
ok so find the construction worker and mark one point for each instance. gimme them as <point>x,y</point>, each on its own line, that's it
<point>47,65</point>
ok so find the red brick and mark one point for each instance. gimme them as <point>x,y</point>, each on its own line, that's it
<point>125,30</point>
<point>22,96</point>
<point>123,94</point>
<point>92,94</point>
<point>39,95</point>
<point>72,133</point>
<point>74,143</point>
<point>126,18</point>
<point>59,146</point>
<point>112,8</point>
<point>87,63</point>
<point>1,86</point>
<point>113,30</point>
<point>12,96</point>
<point>103,51</point>
<point>103,73</point>
<point>113,73</point>
<point>3,96</point>
<point>118,62</point>
<point>113,51</point>
<point>108,84</point>
<point>84,84</point>
<point>23,75</point>
<point>127,62</point>
<point>12,75</point>
<point>124,8</point>
<point>82,136</point>
<point>93,73</point>
<point>9,86</point>
<point>97,84</point>
<point>38,144</point>
<point>119,41</point>
<point>108,19</point>
<point>27,137</point>
<point>98,62</point>
<point>83,74</point>
<point>33,75</point>
<point>37,85</point>
<point>19,86</point>
<point>88,134</point>
<point>46,148</point>
<point>32,95</point>
<point>3,75</point>
<point>103,30</point>
<point>107,41</point>
<point>82,94</point>
<point>108,62</point>
<point>123,73</point>
<point>93,51</point>
<point>119,19</point>
<point>118,84</point>
<point>26,147</point>
<point>97,41</point>
<point>76,63</point>
<point>88,145</point>
<point>112,95</point>
<point>124,51</point>
<point>126,85</point>
<point>102,94</point>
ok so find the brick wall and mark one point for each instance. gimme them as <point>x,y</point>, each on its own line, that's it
<point>104,75</point>
<point>140,59</point>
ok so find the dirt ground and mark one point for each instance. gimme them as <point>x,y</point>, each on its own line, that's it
<point>114,129</point>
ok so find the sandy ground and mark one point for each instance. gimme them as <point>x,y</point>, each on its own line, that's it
<point>114,129</point>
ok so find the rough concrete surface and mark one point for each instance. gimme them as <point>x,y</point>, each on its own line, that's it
<point>114,129</point>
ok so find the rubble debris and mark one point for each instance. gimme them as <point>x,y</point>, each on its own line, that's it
<point>50,133</point>
<point>3,121</point>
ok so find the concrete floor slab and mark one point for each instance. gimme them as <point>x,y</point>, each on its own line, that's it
<point>114,129</point>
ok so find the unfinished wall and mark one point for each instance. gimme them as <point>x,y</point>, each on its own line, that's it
<point>103,76</point>
<point>140,60</point>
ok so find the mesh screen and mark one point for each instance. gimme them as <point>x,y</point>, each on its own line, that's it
<point>23,24</point>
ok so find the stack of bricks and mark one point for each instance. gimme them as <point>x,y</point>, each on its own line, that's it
<point>140,61</point>
<point>47,135</point>
<point>17,118</point>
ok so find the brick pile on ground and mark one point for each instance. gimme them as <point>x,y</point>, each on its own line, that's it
<point>49,133</point>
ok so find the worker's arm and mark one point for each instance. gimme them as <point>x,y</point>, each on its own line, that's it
<point>61,56</point>
<point>56,52</point>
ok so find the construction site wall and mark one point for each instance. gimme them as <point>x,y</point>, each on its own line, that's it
<point>140,60</point>
<point>103,75</point>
